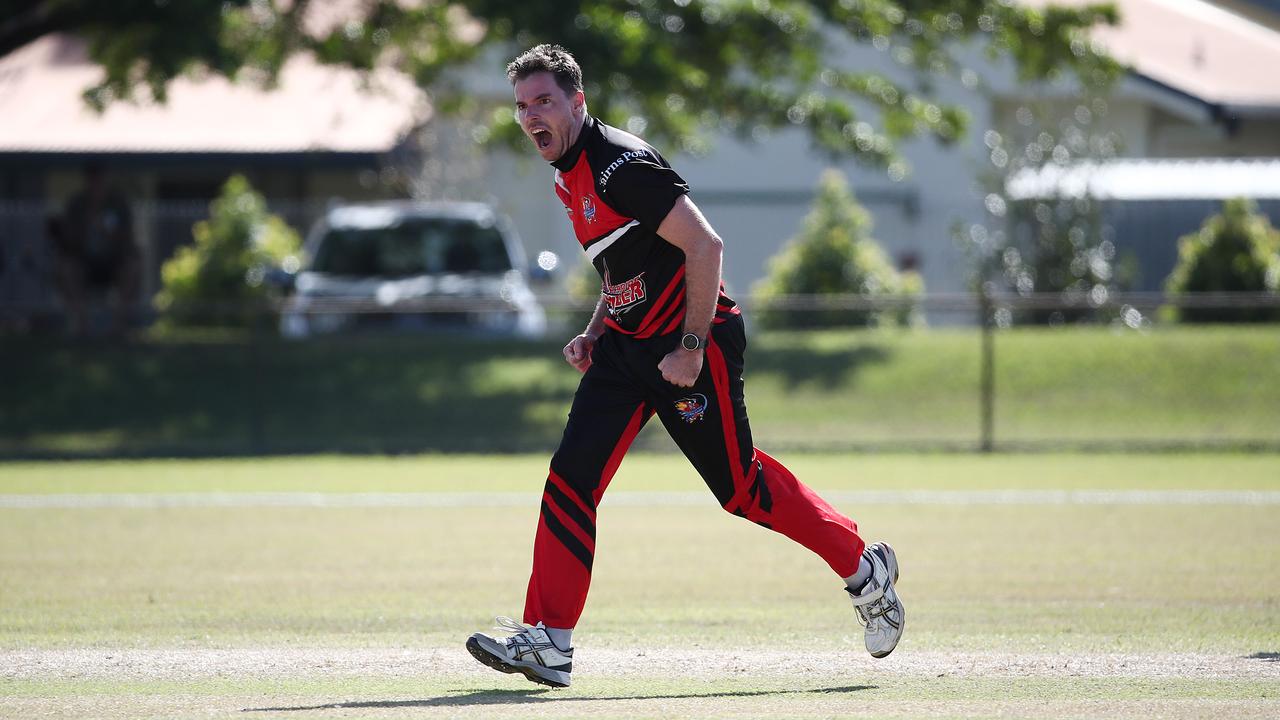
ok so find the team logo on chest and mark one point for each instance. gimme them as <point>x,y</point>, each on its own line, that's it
<point>588,209</point>
<point>692,408</point>
<point>622,296</point>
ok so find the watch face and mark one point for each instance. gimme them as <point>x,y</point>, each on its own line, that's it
<point>690,341</point>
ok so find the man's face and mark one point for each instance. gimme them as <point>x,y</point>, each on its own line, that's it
<point>547,114</point>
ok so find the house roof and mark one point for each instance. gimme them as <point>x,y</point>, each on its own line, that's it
<point>1196,47</point>
<point>1203,179</point>
<point>315,108</point>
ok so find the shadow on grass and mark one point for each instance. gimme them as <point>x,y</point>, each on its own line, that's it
<point>514,697</point>
<point>357,394</point>
<point>830,368</point>
<point>1265,656</point>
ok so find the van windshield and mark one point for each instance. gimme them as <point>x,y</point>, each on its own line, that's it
<point>421,246</point>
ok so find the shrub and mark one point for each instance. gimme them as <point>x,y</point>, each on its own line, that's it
<point>1058,245</point>
<point>219,281</point>
<point>1235,251</point>
<point>834,254</point>
<point>1047,234</point>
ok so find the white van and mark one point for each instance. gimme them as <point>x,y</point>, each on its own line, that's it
<point>412,266</point>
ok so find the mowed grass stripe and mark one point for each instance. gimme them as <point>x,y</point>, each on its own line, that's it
<point>630,499</point>
<point>133,664</point>
<point>986,578</point>
<point>665,472</point>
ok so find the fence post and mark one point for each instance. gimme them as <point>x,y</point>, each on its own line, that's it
<point>257,434</point>
<point>988,371</point>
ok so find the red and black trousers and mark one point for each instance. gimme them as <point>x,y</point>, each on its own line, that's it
<point>618,394</point>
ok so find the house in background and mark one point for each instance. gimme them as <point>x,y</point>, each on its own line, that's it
<point>1199,116</point>
<point>323,133</point>
<point>1201,98</point>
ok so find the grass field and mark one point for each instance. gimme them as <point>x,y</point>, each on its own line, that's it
<point>819,390</point>
<point>322,587</point>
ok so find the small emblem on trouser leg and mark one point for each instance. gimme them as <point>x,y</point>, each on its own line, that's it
<point>692,408</point>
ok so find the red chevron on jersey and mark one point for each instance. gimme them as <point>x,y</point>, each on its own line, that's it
<point>592,218</point>
<point>617,190</point>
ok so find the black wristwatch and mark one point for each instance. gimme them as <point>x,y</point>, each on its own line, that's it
<point>692,342</point>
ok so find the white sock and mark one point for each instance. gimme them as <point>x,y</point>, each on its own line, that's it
<point>562,639</point>
<point>859,578</point>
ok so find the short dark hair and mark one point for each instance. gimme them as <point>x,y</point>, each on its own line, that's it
<point>547,58</point>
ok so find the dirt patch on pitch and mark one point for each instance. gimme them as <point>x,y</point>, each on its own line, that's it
<point>699,663</point>
<point>496,704</point>
<point>254,683</point>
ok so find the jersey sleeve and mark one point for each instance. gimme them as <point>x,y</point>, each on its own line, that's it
<point>645,189</point>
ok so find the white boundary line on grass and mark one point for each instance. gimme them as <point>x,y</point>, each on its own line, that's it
<point>711,663</point>
<point>628,498</point>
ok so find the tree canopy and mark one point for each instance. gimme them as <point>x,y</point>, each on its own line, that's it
<point>670,69</point>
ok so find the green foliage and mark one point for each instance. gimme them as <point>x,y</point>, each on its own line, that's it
<point>1235,251</point>
<point>1058,245</point>
<point>670,70</point>
<point>219,280</point>
<point>137,42</point>
<point>1046,236</point>
<point>834,255</point>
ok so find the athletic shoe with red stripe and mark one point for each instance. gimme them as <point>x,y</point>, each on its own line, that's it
<point>877,605</point>
<point>529,651</point>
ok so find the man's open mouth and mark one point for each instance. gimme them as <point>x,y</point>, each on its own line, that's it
<point>542,138</point>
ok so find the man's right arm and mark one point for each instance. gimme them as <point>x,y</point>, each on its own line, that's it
<point>578,352</point>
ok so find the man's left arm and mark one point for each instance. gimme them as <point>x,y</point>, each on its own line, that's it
<point>686,228</point>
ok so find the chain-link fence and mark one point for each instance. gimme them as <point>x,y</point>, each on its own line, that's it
<point>991,373</point>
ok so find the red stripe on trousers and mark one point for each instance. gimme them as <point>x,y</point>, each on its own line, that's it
<point>802,515</point>
<point>720,379</point>
<point>571,494</point>
<point>558,586</point>
<point>637,421</point>
<point>570,523</point>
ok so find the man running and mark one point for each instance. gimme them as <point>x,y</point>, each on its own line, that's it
<point>665,339</point>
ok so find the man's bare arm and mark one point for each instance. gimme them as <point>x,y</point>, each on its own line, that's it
<point>595,328</point>
<point>686,228</point>
<point>578,352</point>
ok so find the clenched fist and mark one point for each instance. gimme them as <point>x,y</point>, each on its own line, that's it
<point>578,352</point>
<point>681,367</point>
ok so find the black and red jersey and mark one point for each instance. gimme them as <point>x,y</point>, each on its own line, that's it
<point>617,190</point>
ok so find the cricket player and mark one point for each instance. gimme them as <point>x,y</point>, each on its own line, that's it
<point>664,340</point>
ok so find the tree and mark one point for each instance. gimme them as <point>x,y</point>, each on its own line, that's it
<point>1048,234</point>
<point>1235,251</point>
<point>673,69</point>
<point>834,255</point>
<point>220,280</point>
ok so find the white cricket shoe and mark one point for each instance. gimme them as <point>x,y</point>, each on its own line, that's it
<point>529,651</point>
<point>878,608</point>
